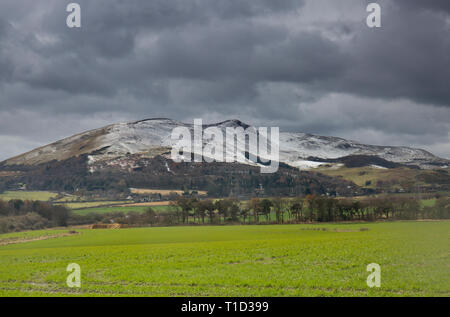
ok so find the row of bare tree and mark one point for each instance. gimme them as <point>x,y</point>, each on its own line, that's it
<point>305,209</point>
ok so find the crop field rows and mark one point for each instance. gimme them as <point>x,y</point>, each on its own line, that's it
<point>265,260</point>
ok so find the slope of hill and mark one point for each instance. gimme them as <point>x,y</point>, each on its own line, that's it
<point>115,143</point>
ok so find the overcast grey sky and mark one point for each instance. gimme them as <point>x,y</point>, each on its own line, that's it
<point>303,65</point>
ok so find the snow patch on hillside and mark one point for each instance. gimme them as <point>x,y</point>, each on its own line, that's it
<point>111,145</point>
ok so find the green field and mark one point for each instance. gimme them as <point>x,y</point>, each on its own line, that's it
<point>92,204</point>
<point>400,175</point>
<point>427,202</point>
<point>28,195</point>
<point>272,260</point>
<point>102,210</point>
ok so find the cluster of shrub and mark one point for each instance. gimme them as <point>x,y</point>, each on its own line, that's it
<point>17,215</point>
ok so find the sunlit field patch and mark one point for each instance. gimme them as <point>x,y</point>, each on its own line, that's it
<point>28,195</point>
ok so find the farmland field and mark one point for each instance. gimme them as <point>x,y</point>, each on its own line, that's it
<point>28,195</point>
<point>91,204</point>
<point>401,175</point>
<point>124,209</point>
<point>146,191</point>
<point>149,204</point>
<point>266,260</point>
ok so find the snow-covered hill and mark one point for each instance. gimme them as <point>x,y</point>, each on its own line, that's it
<point>151,137</point>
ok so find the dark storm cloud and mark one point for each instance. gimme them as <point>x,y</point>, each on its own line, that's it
<point>213,40</point>
<point>96,58</point>
<point>309,65</point>
<point>6,67</point>
<point>250,52</point>
<point>407,58</point>
<point>113,24</point>
<point>434,5</point>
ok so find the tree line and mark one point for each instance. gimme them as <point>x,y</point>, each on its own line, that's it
<point>308,209</point>
<point>17,215</point>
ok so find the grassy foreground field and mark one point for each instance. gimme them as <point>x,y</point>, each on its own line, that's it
<point>271,260</point>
